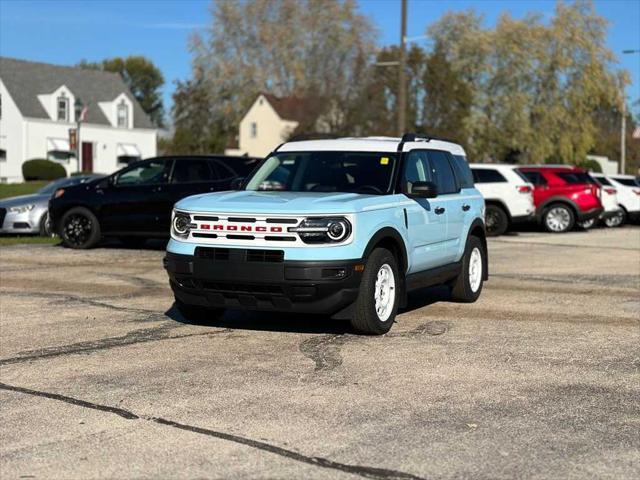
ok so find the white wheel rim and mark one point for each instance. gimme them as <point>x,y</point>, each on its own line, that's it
<point>475,269</point>
<point>385,292</point>
<point>558,219</point>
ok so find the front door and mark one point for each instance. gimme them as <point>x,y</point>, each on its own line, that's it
<point>426,217</point>
<point>87,157</point>
<point>137,200</point>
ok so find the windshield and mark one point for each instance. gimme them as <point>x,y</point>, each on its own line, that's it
<point>49,188</point>
<point>354,172</point>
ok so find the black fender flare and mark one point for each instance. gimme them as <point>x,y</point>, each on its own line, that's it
<point>390,234</point>
<point>478,229</point>
<point>557,199</point>
<point>499,203</point>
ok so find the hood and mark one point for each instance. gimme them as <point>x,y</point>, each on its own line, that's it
<point>24,200</point>
<point>284,203</point>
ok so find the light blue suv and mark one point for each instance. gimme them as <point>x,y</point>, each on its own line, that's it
<point>341,227</point>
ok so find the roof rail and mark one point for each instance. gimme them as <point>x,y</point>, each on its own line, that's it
<point>415,137</point>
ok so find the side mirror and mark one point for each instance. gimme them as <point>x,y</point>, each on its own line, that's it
<point>423,190</point>
<point>237,183</point>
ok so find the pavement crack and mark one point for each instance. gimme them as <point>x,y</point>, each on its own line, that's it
<point>321,462</point>
<point>144,335</point>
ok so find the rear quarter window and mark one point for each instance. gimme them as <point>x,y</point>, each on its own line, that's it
<point>575,178</point>
<point>488,175</point>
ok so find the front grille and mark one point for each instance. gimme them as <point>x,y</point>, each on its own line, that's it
<point>3,213</point>
<point>243,255</point>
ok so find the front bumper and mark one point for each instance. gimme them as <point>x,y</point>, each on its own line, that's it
<point>17,223</point>
<point>262,280</point>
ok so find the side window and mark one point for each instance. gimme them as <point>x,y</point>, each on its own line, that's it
<point>416,169</point>
<point>442,172</point>
<point>146,173</point>
<point>535,177</point>
<point>488,175</point>
<point>222,171</point>
<point>191,170</point>
<point>463,172</point>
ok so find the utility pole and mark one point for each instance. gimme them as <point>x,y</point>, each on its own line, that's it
<point>402,81</point>
<point>623,135</point>
<point>623,124</point>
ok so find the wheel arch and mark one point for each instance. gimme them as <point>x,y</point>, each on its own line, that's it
<point>62,211</point>
<point>390,238</point>
<point>564,200</point>
<point>499,203</point>
<point>478,229</point>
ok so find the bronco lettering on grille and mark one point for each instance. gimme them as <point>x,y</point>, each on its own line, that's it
<point>240,228</point>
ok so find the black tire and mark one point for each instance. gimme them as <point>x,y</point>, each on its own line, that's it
<point>198,314</point>
<point>588,224</point>
<point>496,220</point>
<point>79,228</point>
<point>45,225</point>
<point>617,221</point>
<point>133,242</point>
<point>461,289</point>
<point>552,211</point>
<point>365,318</point>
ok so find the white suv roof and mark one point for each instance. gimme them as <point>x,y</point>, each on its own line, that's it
<point>369,144</point>
<point>494,166</point>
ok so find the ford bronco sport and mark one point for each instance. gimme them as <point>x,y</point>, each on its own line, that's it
<point>342,227</point>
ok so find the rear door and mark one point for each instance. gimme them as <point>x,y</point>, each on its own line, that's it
<point>426,217</point>
<point>450,199</point>
<point>192,176</point>
<point>136,200</point>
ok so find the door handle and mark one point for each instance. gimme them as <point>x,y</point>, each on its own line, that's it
<point>439,210</point>
<point>465,207</point>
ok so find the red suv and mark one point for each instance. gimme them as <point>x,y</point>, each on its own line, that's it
<point>563,196</point>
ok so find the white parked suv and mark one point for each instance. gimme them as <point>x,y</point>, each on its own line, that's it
<point>507,193</point>
<point>628,190</point>
<point>613,214</point>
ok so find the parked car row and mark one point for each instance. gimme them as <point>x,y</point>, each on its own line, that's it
<point>134,204</point>
<point>559,197</point>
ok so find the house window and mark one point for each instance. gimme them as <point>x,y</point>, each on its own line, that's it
<point>3,155</point>
<point>63,108</point>
<point>123,115</point>
<point>254,130</point>
<point>60,156</point>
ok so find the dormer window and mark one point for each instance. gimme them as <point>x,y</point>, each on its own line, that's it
<point>123,115</point>
<point>63,108</point>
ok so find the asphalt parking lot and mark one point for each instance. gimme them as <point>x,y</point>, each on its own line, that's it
<point>101,378</point>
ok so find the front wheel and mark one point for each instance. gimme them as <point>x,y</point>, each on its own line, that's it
<point>80,228</point>
<point>468,284</point>
<point>617,220</point>
<point>377,303</point>
<point>558,218</point>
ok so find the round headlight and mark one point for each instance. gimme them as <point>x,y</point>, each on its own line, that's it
<point>181,224</point>
<point>337,230</point>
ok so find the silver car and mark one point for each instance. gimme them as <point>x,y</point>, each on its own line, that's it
<point>29,213</point>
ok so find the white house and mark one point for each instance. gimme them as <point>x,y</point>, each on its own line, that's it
<point>269,122</point>
<point>37,112</point>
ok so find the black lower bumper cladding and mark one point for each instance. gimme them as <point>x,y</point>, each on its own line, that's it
<point>262,280</point>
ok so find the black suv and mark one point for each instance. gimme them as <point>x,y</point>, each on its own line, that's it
<point>135,203</point>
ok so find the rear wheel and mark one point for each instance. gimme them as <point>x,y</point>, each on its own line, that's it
<point>616,221</point>
<point>45,226</point>
<point>468,284</point>
<point>587,224</point>
<point>558,218</point>
<point>80,228</point>
<point>377,302</point>
<point>496,220</point>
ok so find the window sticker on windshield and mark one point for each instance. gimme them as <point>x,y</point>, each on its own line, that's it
<point>384,161</point>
